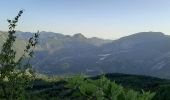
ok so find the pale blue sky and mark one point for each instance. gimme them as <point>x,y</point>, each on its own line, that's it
<point>102,18</point>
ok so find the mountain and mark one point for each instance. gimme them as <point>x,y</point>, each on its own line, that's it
<point>62,52</point>
<point>144,53</point>
<point>66,51</point>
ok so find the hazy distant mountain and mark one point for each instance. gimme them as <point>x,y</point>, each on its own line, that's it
<point>146,53</point>
<point>141,53</point>
<point>62,52</point>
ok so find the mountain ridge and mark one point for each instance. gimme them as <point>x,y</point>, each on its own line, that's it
<point>144,53</point>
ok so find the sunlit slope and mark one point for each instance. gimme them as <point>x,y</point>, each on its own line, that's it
<point>19,44</point>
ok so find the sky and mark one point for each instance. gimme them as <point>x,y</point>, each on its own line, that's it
<point>109,19</point>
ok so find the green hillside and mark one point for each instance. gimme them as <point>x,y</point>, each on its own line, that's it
<point>47,87</point>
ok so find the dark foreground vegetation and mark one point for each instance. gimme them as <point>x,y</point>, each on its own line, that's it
<point>62,88</point>
<point>57,88</point>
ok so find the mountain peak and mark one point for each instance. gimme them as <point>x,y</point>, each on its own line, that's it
<point>145,35</point>
<point>79,35</point>
<point>150,33</point>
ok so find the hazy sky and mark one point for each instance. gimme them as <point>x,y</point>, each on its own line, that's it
<point>102,18</point>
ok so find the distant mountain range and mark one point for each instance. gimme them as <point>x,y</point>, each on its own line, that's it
<point>145,53</point>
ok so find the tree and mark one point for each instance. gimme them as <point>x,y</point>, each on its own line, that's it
<point>16,75</point>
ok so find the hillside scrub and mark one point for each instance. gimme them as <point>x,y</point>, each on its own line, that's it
<point>103,89</point>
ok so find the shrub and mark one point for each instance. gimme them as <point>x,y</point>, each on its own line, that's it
<point>103,89</point>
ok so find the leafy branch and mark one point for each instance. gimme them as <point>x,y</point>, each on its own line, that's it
<point>16,76</point>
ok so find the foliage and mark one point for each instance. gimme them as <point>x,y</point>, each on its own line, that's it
<point>103,89</point>
<point>49,89</point>
<point>163,93</point>
<point>15,76</point>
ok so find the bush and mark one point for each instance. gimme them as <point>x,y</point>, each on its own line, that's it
<point>103,89</point>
